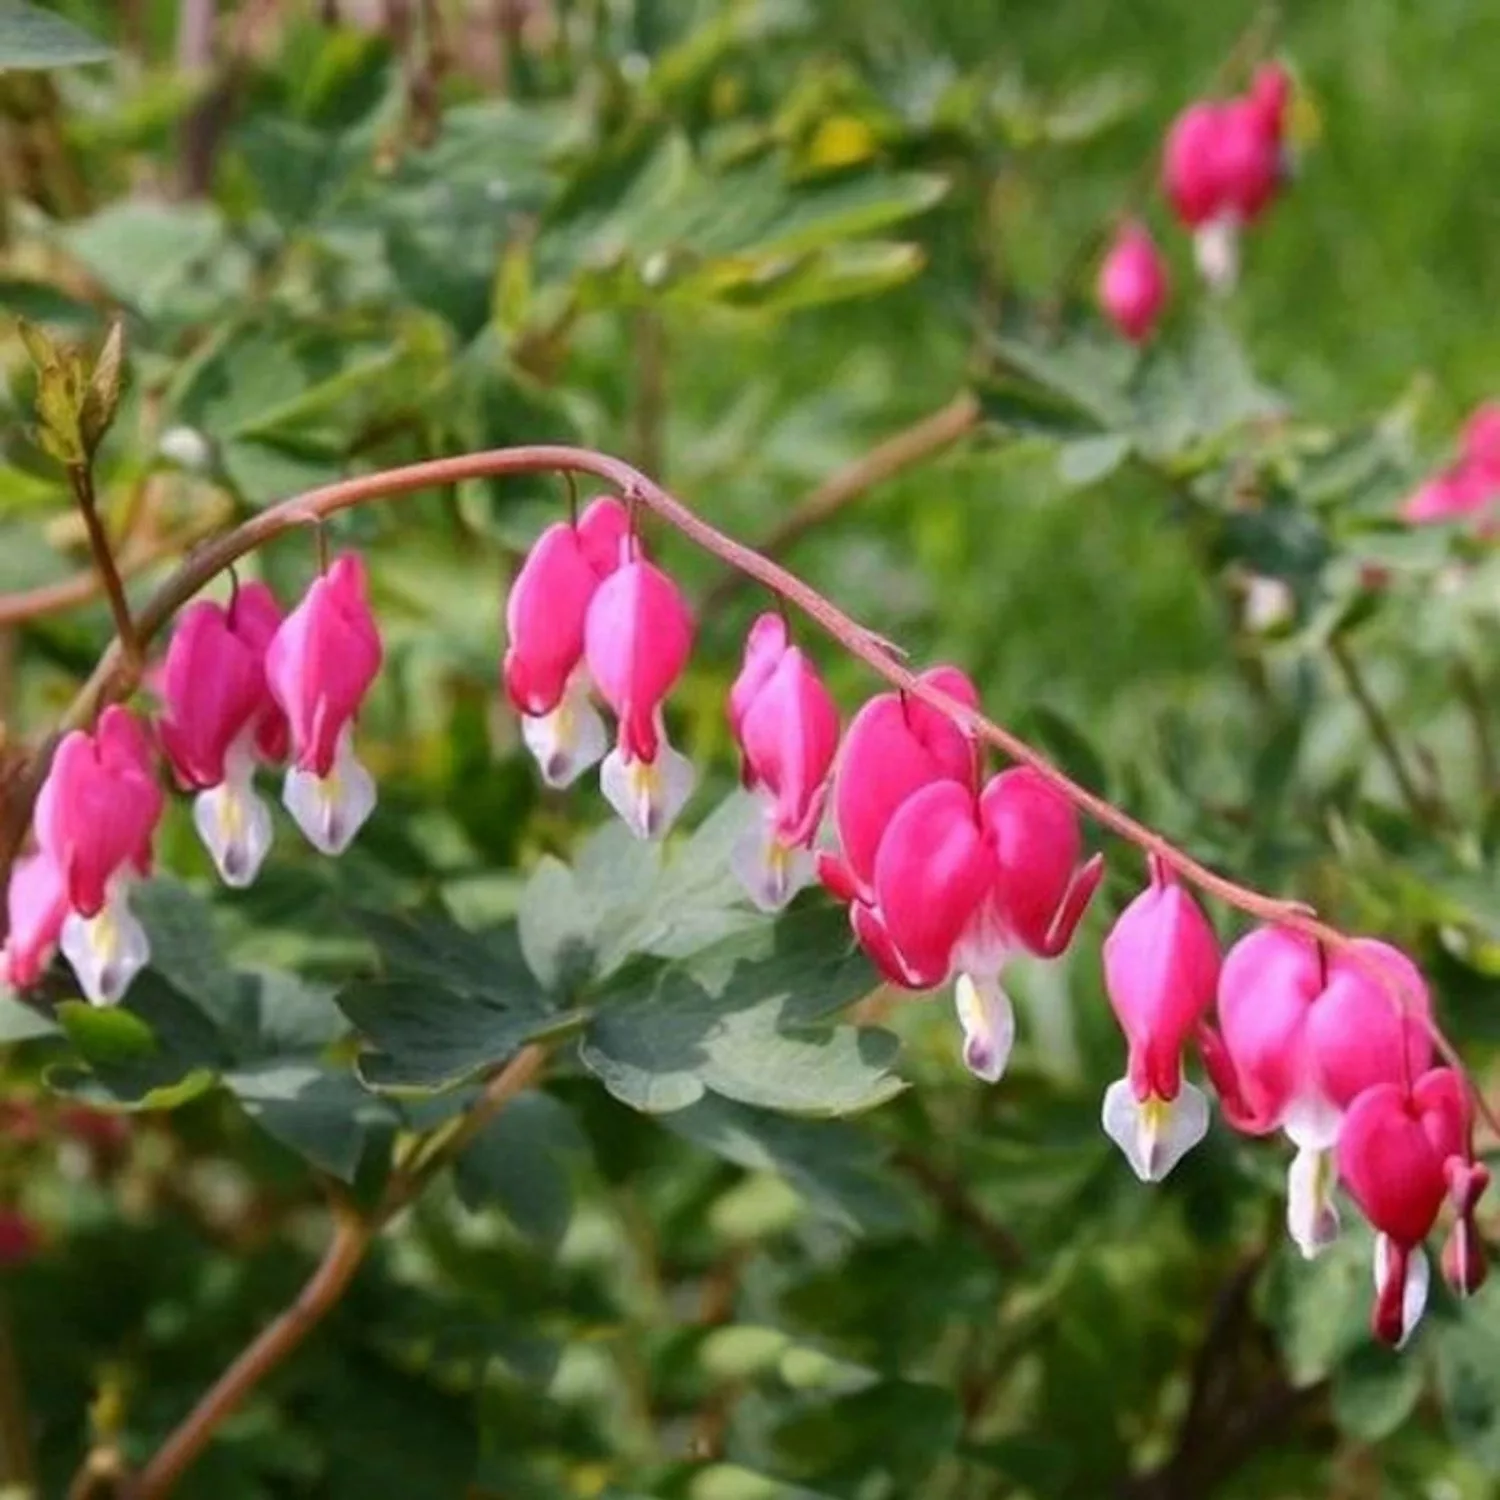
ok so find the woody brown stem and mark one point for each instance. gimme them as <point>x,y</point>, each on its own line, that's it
<point>352,1238</point>
<point>81,477</point>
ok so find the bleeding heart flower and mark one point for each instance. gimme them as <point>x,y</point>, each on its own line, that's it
<point>1393,1150</point>
<point>962,884</point>
<point>37,903</point>
<point>218,715</point>
<point>1161,965</point>
<point>320,664</point>
<point>637,638</point>
<point>545,618</point>
<point>1301,1039</point>
<point>95,819</point>
<point>1465,1265</point>
<point>1133,283</point>
<point>895,746</point>
<point>787,725</point>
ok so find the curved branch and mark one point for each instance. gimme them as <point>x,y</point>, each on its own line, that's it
<point>115,677</point>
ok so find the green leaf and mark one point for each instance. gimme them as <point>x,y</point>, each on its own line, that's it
<point>1321,1311</point>
<point>519,1162</point>
<point>20,1023</point>
<point>185,952</point>
<point>430,947</point>
<point>736,1019</point>
<point>106,1036</point>
<point>1088,460</point>
<point>428,1037</point>
<point>320,1113</point>
<point>1468,1374</point>
<point>837,1168</point>
<point>32,38</point>
<point>1375,1391</point>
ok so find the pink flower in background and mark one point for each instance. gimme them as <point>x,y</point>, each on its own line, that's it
<point>1161,966</point>
<point>545,617</point>
<point>1133,283</point>
<point>1393,1152</point>
<point>964,883</point>
<point>1301,1040</point>
<point>219,715</point>
<point>787,727</point>
<point>637,638</point>
<point>37,904</point>
<point>320,665</point>
<point>1470,486</point>
<point>95,820</point>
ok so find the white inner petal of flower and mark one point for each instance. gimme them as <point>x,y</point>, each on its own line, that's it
<point>1312,1218</point>
<point>1216,248</point>
<point>1414,1293</point>
<point>770,871</point>
<point>648,795</point>
<point>1154,1133</point>
<point>331,809</point>
<point>108,949</point>
<point>234,823</point>
<point>989,1024</point>
<point>566,742</point>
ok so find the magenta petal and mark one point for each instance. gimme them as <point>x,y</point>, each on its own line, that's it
<point>544,620</point>
<point>789,735</point>
<point>637,638</point>
<point>1161,964</point>
<point>1133,282</point>
<point>603,529</point>
<point>934,873</point>
<point>37,904</point>
<point>1388,1164</point>
<point>1356,1031</point>
<point>1034,832</point>
<point>1269,982</point>
<point>765,645</point>
<point>322,662</point>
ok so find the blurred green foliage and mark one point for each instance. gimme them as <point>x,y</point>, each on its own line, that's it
<point>741,243</point>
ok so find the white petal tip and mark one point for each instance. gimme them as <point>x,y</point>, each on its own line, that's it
<point>235,827</point>
<point>1414,1293</point>
<point>566,742</point>
<point>106,951</point>
<point>1154,1134</point>
<point>648,795</point>
<point>1312,1218</point>
<point>331,809</point>
<point>989,1026</point>
<point>771,872</point>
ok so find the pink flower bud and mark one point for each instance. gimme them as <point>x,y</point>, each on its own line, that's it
<point>1133,283</point>
<point>1161,966</point>
<point>38,905</point>
<point>320,665</point>
<point>95,819</point>
<point>787,725</point>
<point>1392,1153</point>
<point>1465,1263</point>
<point>1271,96</point>
<point>637,638</point>
<point>1190,164</point>
<point>1248,162</point>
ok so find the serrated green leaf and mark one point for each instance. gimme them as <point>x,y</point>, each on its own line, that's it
<point>320,1113</point>
<point>519,1163</point>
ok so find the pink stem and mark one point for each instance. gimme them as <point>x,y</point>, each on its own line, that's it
<point>115,678</point>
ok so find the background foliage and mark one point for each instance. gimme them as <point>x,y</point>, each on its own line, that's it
<point>740,243</point>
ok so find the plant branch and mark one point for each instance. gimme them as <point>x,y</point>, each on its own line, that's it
<point>904,449</point>
<point>352,1238</point>
<point>1380,727</point>
<point>81,477</point>
<point>117,672</point>
<point>1471,693</point>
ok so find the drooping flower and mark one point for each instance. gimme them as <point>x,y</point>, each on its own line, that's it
<point>963,883</point>
<point>1301,1039</point>
<point>95,819</point>
<point>319,665</point>
<point>37,904</point>
<point>895,746</point>
<point>1470,485</point>
<point>545,618</point>
<point>1133,283</point>
<point>638,635</point>
<point>1393,1150</point>
<point>1161,967</point>
<point>219,715</point>
<point>1465,1264</point>
<point>787,726</point>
